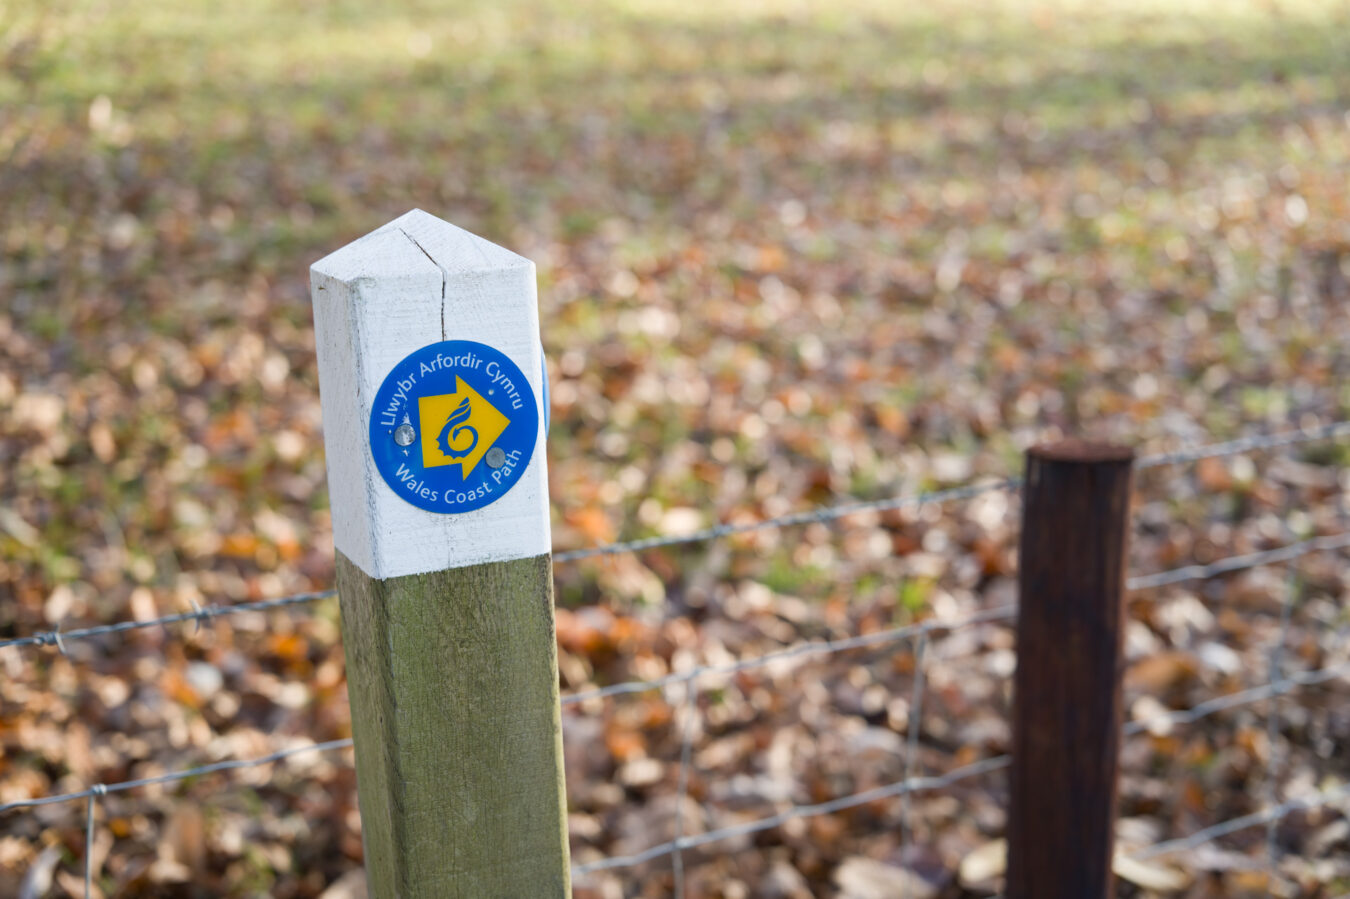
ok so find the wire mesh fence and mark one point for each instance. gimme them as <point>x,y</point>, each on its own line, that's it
<point>685,686</point>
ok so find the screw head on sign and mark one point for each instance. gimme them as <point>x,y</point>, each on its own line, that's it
<point>496,457</point>
<point>404,435</point>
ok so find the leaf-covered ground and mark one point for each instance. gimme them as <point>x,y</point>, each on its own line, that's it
<point>790,254</point>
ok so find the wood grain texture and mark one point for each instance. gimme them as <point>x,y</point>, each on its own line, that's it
<point>1067,697</point>
<point>413,282</point>
<point>453,679</point>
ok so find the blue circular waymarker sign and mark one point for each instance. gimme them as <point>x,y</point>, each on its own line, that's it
<point>453,426</point>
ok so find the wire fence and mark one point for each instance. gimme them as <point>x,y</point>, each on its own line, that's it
<point>919,635</point>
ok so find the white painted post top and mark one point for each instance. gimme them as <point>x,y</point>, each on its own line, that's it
<point>419,281</point>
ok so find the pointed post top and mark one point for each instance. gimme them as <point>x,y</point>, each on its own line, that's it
<point>391,250</point>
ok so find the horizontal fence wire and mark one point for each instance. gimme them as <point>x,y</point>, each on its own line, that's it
<point>998,613</point>
<point>811,516</point>
<point>170,777</point>
<point>1227,702</point>
<point>1252,444</point>
<point>1233,825</point>
<point>198,615</point>
<point>813,647</point>
<point>899,788</point>
<point>1239,563</point>
<point>1255,443</point>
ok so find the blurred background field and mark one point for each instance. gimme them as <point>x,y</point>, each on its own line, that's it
<point>789,254</point>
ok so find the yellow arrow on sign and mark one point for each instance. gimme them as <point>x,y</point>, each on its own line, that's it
<point>458,428</point>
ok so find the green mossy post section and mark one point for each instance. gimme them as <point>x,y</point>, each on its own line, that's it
<point>453,677</point>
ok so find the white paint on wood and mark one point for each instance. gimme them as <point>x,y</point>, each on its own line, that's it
<point>416,281</point>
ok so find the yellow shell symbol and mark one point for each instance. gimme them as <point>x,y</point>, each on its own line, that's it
<point>458,428</point>
<point>456,425</point>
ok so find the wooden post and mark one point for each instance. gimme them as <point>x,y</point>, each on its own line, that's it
<point>1067,699</point>
<point>430,374</point>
